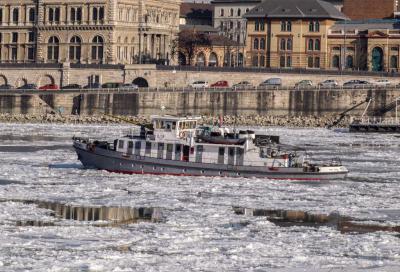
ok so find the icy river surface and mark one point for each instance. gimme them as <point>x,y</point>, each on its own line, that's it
<point>199,230</point>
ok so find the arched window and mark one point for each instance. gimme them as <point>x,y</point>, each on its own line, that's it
<point>317,45</point>
<point>317,61</point>
<point>95,14</point>
<point>282,62</point>
<point>311,26</point>
<point>239,25</point>
<point>75,49</point>
<point>255,61</point>
<point>53,49</point>
<point>289,26</point>
<point>213,60</point>
<point>310,62</point>
<point>201,59</point>
<point>222,13</point>
<point>283,26</point>
<point>247,10</point>
<point>239,12</point>
<point>262,61</point>
<point>349,62</point>
<point>289,44</point>
<point>15,15</point>
<point>288,61</point>
<point>97,49</point>
<point>255,44</point>
<point>262,44</point>
<point>283,44</point>
<point>231,12</point>
<point>316,27</point>
<point>231,25</point>
<point>310,44</point>
<point>335,61</point>
<point>31,15</point>
<point>393,62</point>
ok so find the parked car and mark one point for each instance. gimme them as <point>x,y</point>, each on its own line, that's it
<point>382,83</point>
<point>112,85</point>
<point>276,82</point>
<point>356,83</point>
<point>220,84</point>
<point>129,86</point>
<point>94,85</point>
<point>199,84</point>
<point>329,83</point>
<point>49,87</point>
<point>29,86</point>
<point>72,87</point>
<point>243,85</point>
<point>305,83</point>
<point>6,87</point>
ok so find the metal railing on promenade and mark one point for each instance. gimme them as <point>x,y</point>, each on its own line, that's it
<point>208,89</point>
<point>278,70</point>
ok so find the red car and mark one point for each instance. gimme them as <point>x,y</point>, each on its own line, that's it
<point>49,87</point>
<point>220,84</point>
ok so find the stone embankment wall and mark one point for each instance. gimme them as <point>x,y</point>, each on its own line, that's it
<point>322,105</point>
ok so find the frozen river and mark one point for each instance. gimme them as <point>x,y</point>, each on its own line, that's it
<point>200,231</point>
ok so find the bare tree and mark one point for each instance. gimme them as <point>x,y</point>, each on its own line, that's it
<point>188,41</point>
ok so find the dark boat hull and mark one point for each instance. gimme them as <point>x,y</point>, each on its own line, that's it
<point>112,161</point>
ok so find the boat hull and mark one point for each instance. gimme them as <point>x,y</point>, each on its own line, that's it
<point>134,164</point>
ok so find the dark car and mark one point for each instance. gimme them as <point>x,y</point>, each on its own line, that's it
<point>356,83</point>
<point>49,87</point>
<point>220,84</point>
<point>72,87</point>
<point>29,86</point>
<point>6,87</point>
<point>112,85</point>
<point>94,85</point>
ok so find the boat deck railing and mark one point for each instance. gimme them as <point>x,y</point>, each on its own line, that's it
<point>380,121</point>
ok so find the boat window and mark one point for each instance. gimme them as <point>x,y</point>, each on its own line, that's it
<point>160,152</point>
<point>148,148</point>
<point>130,144</point>
<point>170,147</point>
<point>221,151</point>
<point>221,155</point>
<point>120,144</point>
<point>138,146</point>
<point>173,125</point>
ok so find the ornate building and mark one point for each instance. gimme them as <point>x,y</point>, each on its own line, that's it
<point>90,31</point>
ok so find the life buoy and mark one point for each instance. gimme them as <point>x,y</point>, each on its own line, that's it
<point>182,134</point>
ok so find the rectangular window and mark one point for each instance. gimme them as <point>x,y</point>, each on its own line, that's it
<point>120,144</point>
<point>160,151</point>
<point>14,53</point>
<point>178,151</point>
<point>148,149</point>
<point>138,146</point>
<point>31,37</point>
<point>199,153</point>
<point>1,16</point>
<point>31,53</point>
<point>14,37</point>
<point>231,156</point>
<point>170,149</point>
<point>221,155</point>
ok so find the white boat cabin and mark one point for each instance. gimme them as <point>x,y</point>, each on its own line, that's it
<point>174,138</point>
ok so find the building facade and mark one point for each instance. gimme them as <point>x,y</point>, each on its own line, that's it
<point>290,34</point>
<point>229,17</point>
<point>87,32</point>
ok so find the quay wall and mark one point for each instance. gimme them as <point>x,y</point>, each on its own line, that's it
<point>64,75</point>
<point>212,102</point>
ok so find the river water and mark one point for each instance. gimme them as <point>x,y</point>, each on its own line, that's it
<point>199,231</point>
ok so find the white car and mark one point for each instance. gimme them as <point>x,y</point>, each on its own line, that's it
<point>329,83</point>
<point>129,86</point>
<point>200,84</point>
<point>382,83</point>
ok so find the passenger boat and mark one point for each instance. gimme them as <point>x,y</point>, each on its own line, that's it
<point>179,146</point>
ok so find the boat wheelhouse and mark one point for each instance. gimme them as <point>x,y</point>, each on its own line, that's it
<point>179,146</point>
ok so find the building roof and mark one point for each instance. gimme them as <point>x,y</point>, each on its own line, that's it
<point>196,10</point>
<point>296,9</point>
<point>363,25</point>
